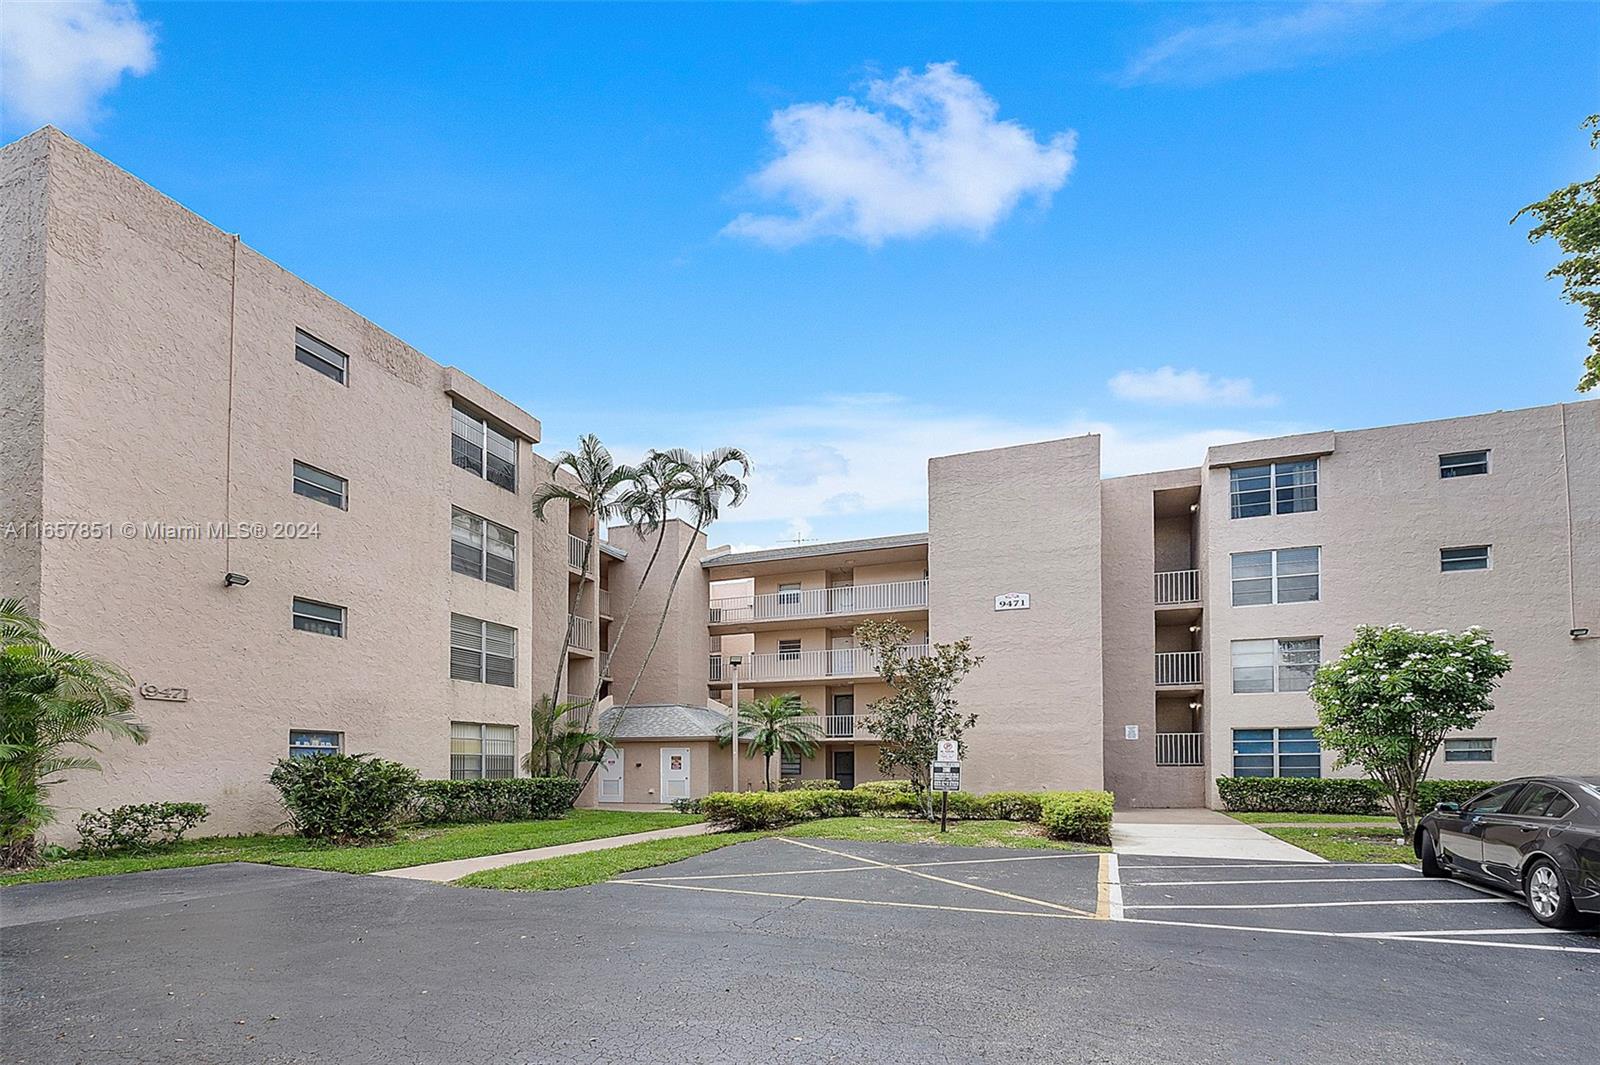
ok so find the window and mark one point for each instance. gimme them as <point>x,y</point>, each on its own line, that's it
<point>789,768</point>
<point>482,752</point>
<point>1275,488</point>
<point>481,449</point>
<point>1280,752</point>
<point>311,744</point>
<point>1493,800</point>
<point>1472,750</point>
<point>1455,559</point>
<point>481,549</point>
<point>789,594</point>
<point>321,485</point>
<point>323,358</point>
<point>788,650</point>
<point>1287,575</point>
<point>482,651</point>
<point>1283,665</point>
<point>1540,800</point>
<point>322,618</point>
<point>1464,464</point>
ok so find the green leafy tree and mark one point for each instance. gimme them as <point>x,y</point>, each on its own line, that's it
<point>556,741</point>
<point>921,707</point>
<point>53,704</point>
<point>1387,703</point>
<point>777,724</point>
<point>1571,217</point>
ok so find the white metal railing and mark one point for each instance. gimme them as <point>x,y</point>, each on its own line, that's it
<point>807,665</point>
<point>582,630</point>
<point>822,602</point>
<point>1179,748</point>
<point>1177,667</point>
<point>1177,586</point>
<point>605,602</point>
<point>839,726</point>
<point>575,546</point>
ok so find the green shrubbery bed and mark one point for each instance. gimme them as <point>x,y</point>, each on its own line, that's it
<point>1079,816</point>
<point>520,799</point>
<point>1332,795</point>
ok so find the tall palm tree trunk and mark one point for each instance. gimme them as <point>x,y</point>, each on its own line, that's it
<point>566,639</point>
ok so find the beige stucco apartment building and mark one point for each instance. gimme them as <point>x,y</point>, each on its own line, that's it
<point>178,409</point>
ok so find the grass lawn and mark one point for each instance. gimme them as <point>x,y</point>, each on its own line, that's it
<point>414,846</point>
<point>1349,844</point>
<point>1375,820</point>
<point>579,869</point>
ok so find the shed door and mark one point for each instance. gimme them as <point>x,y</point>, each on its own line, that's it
<point>611,775</point>
<point>674,773</point>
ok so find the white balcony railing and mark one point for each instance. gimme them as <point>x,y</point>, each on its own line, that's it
<point>806,665</point>
<point>822,602</point>
<point>1177,586</point>
<point>605,602</point>
<point>575,546</point>
<point>1180,748</point>
<point>1177,667</point>
<point>582,630</point>
<point>839,726</point>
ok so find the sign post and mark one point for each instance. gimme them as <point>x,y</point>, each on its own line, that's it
<point>946,778</point>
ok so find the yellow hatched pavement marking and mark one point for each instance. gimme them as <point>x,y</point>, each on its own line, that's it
<point>943,880</point>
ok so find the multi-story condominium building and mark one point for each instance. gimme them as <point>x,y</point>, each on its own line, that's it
<point>299,534</point>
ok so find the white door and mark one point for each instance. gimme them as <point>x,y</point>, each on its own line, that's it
<point>841,660</point>
<point>611,776</point>
<point>674,773</point>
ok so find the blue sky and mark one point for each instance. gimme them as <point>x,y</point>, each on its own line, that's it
<point>1173,225</point>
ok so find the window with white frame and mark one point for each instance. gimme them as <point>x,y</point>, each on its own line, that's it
<point>482,752</point>
<point>323,358</point>
<point>1276,752</point>
<point>788,650</point>
<point>481,449</point>
<point>1273,488</point>
<point>1455,559</point>
<point>789,768</point>
<point>789,594</point>
<point>304,743</point>
<point>324,619</point>
<point>1279,665</point>
<point>1286,575</point>
<point>482,651</point>
<point>1474,749</point>
<point>321,485</point>
<point>482,549</point>
<point>1464,464</point>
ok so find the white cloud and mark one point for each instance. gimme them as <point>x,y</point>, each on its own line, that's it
<point>1281,37</point>
<point>1171,387</point>
<point>924,153</point>
<point>60,59</point>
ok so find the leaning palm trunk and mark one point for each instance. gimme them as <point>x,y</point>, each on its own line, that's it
<point>566,636</point>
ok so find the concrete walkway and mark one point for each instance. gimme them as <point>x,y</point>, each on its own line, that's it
<point>1198,834</point>
<point>444,872</point>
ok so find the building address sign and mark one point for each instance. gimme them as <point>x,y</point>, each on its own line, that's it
<point>165,695</point>
<point>1011,601</point>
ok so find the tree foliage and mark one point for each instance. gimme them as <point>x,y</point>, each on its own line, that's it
<point>1387,703</point>
<point>921,707</point>
<point>777,724</point>
<point>1571,217</point>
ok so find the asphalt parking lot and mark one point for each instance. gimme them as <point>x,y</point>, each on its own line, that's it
<point>796,951</point>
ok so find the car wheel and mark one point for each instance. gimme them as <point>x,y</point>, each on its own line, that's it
<point>1548,896</point>
<point>1430,858</point>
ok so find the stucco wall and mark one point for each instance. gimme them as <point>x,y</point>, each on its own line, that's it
<point>1023,519</point>
<point>677,671</point>
<point>24,178</point>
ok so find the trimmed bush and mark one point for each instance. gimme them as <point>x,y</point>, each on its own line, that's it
<point>1332,795</point>
<point>1079,816</point>
<point>748,810</point>
<point>138,826</point>
<point>888,796</point>
<point>796,784</point>
<point>347,798</point>
<point>520,799</point>
<point>1011,805</point>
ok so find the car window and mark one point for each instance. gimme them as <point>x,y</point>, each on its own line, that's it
<point>1534,801</point>
<point>1560,806</point>
<point>1493,800</point>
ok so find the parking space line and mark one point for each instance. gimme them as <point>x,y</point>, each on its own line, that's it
<point>941,879</point>
<point>1312,905</point>
<point>1257,865</point>
<point>861,902</point>
<point>868,868</point>
<point>1289,881</point>
<point>1430,937</point>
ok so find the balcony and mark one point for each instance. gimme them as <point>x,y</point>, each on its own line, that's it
<point>890,598</point>
<point>841,727</point>
<point>1177,587</point>
<point>575,546</point>
<point>605,603</point>
<point>580,632</point>
<point>1177,669</point>
<point>1180,748</point>
<point>836,664</point>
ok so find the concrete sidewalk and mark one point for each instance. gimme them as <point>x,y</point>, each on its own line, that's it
<point>444,872</point>
<point>1198,834</point>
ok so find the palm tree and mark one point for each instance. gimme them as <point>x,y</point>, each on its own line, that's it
<point>50,700</point>
<point>549,727</point>
<point>595,483</point>
<point>778,724</point>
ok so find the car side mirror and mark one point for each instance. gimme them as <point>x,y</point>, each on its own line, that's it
<point>1447,808</point>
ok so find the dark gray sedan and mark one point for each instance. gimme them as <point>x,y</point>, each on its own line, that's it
<point>1536,836</point>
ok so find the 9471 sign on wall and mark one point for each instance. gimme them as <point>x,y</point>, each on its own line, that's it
<point>1011,601</point>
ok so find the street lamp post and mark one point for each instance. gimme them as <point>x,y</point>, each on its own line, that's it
<point>735,661</point>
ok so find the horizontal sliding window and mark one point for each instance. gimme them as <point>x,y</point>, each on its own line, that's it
<point>1464,464</point>
<point>1469,750</point>
<point>321,485</point>
<point>481,449</point>
<point>482,549</point>
<point>1276,752</point>
<point>323,358</point>
<point>1280,665</point>
<point>482,651</point>
<point>1452,559</point>
<point>1286,575</point>
<point>482,752</point>
<point>303,744</point>
<point>1273,488</point>
<point>325,619</point>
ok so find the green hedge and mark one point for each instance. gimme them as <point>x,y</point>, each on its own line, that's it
<point>138,826</point>
<point>1332,795</point>
<point>1082,816</point>
<point>346,798</point>
<point>519,799</point>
